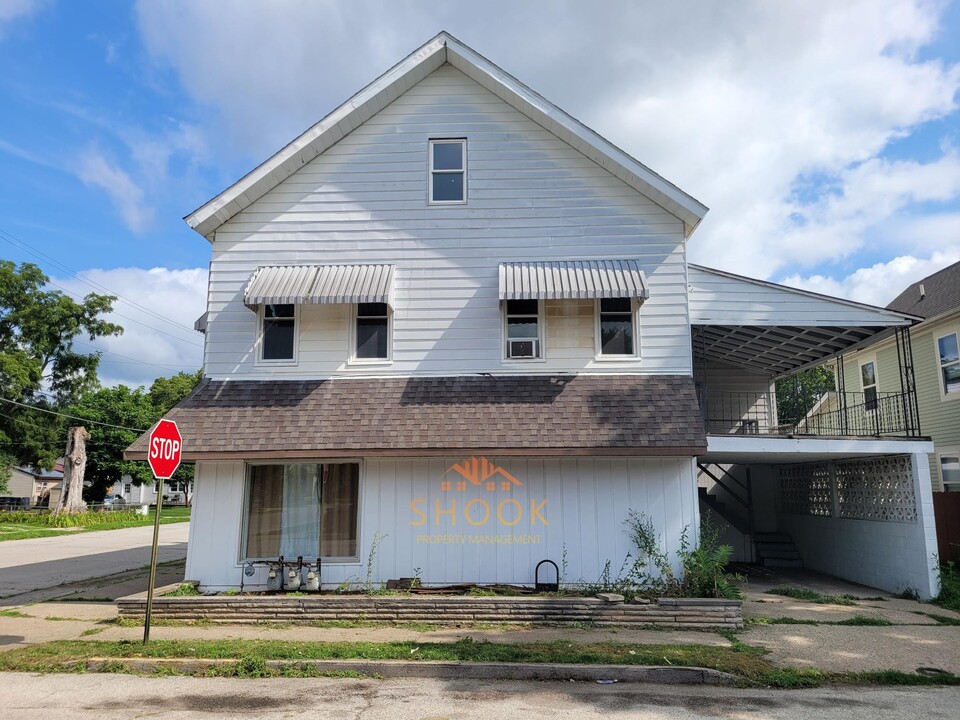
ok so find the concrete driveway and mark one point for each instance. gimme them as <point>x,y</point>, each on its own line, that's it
<point>39,563</point>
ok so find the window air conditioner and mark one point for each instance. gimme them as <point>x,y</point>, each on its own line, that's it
<point>522,348</point>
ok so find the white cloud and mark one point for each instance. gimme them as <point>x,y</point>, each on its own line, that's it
<point>880,283</point>
<point>740,103</point>
<point>11,10</point>
<point>126,194</point>
<point>150,346</point>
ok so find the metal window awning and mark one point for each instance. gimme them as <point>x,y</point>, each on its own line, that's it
<point>319,284</point>
<point>572,280</point>
<point>200,325</point>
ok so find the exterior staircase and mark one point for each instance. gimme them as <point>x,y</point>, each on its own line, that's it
<point>724,510</point>
<point>776,550</point>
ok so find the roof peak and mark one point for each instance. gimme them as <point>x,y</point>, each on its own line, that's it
<point>442,48</point>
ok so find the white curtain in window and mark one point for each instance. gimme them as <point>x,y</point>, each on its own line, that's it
<point>300,518</point>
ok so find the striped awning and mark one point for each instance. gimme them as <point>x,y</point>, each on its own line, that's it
<point>572,280</point>
<point>319,284</point>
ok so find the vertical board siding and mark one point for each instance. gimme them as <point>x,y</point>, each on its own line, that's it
<point>364,200</point>
<point>588,500</point>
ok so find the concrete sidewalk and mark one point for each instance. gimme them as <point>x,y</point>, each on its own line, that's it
<point>40,563</point>
<point>913,641</point>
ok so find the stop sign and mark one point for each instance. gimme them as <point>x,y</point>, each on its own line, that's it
<point>166,445</point>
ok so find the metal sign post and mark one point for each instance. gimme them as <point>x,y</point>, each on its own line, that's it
<point>153,564</point>
<point>165,449</point>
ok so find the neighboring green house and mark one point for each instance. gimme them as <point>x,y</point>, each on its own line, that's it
<point>935,342</point>
<point>871,379</point>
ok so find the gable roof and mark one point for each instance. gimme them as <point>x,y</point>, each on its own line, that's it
<point>444,48</point>
<point>941,294</point>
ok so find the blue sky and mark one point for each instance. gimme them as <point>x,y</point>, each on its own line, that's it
<point>824,136</point>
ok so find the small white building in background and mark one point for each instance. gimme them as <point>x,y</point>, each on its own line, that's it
<point>177,492</point>
<point>453,332</point>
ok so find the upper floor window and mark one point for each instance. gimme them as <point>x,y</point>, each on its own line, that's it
<point>948,351</point>
<point>617,328</point>
<point>868,382</point>
<point>448,171</point>
<point>372,332</point>
<point>278,333</point>
<point>523,329</point>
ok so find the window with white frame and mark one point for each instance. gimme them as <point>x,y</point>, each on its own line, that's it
<point>372,332</point>
<point>278,333</point>
<point>127,488</point>
<point>868,383</point>
<point>950,470</point>
<point>948,352</point>
<point>302,509</point>
<point>448,171</point>
<point>616,328</point>
<point>523,330</point>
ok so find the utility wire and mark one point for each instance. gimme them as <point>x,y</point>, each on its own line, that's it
<point>12,239</point>
<point>70,417</point>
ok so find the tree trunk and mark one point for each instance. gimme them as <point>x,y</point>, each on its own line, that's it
<point>74,465</point>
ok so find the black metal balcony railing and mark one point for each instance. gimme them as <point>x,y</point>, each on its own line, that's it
<point>834,414</point>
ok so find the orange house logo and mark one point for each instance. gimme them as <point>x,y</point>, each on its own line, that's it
<point>480,472</point>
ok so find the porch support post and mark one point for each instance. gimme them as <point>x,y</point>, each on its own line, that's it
<point>841,395</point>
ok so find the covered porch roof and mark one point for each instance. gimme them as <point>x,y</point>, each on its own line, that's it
<point>774,329</point>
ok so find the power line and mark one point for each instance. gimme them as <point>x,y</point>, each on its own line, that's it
<point>139,322</point>
<point>70,417</point>
<point>132,359</point>
<point>26,247</point>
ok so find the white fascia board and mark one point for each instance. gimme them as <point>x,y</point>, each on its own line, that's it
<point>881,316</point>
<point>742,445</point>
<point>401,77</point>
<point>316,139</point>
<point>594,146</point>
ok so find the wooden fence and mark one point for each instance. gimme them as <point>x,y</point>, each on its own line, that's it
<point>946,510</point>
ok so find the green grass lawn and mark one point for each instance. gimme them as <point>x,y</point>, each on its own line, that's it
<point>744,661</point>
<point>25,527</point>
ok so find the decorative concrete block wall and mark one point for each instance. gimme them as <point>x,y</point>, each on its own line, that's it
<point>670,612</point>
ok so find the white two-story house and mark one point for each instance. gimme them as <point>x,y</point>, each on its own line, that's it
<point>452,332</point>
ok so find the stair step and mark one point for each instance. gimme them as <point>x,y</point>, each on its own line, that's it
<point>772,538</point>
<point>782,562</point>
<point>778,554</point>
<point>774,546</point>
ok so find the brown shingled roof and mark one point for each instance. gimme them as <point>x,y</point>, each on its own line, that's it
<point>941,293</point>
<point>530,415</point>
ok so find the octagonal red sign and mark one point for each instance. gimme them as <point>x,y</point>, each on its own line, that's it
<point>166,446</point>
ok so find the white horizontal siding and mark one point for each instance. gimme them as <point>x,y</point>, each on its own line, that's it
<point>587,501</point>
<point>720,300</point>
<point>531,197</point>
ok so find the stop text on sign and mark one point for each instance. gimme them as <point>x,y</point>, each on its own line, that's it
<point>164,449</point>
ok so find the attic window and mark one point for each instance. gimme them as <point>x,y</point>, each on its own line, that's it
<point>448,172</point>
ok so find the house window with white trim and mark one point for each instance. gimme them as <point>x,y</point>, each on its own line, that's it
<point>948,352</point>
<point>868,383</point>
<point>448,171</point>
<point>616,328</point>
<point>372,332</point>
<point>523,330</point>
<point>278,333</point>
<point>302,509</point>
<point>950,470</point>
